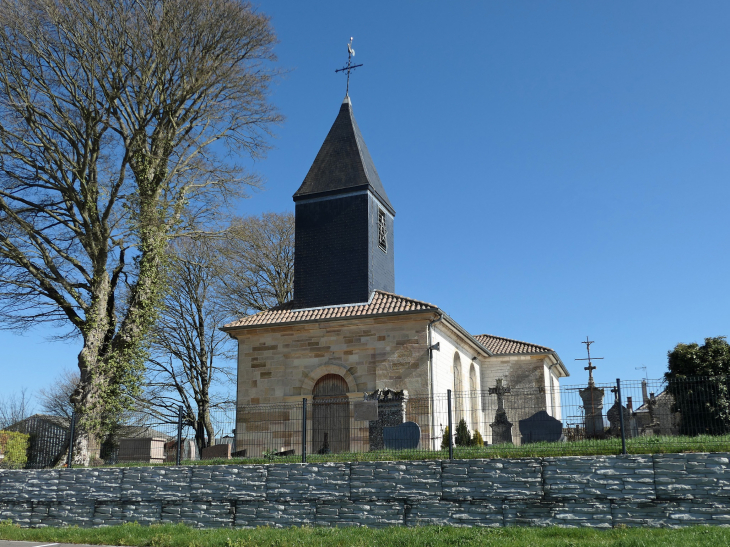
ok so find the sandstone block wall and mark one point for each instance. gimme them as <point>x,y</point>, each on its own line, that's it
<point>602,491</point>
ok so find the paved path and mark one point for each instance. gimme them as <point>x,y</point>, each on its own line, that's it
<point>4,543</point>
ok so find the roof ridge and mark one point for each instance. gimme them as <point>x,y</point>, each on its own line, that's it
<point>380,303</point>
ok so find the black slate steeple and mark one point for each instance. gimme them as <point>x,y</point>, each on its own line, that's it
<point>344,223</point>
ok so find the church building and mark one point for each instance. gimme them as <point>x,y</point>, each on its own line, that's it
<point>346,333</point>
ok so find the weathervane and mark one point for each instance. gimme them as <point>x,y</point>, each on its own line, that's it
<point>590,368</point>
<point>349,67</point>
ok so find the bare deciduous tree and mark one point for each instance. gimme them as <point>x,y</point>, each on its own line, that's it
<point>258,271</point>
<point>55,399</point>
<point>15,408</point>
<point>188,354</point>
<point>214,280</point>
<point>111,115</point>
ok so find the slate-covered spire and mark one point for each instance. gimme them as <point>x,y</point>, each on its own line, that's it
<point>343,163</point>
<point>343,239</point>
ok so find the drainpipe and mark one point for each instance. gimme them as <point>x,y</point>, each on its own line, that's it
<point>430,353</point>
<point>430,371</point>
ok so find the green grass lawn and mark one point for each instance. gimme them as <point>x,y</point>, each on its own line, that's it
<point>641,445</point>
<point>426,536</point>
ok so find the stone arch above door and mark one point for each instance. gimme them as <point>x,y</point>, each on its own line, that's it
<point>330,368</point>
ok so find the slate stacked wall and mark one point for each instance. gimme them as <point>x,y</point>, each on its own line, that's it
<point>603,491</point>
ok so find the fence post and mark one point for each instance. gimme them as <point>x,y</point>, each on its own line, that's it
<point>621,416</point>
<point>178,457</point>
<point>304,430</point>
<point>69,462</point>
<point>450,426</point>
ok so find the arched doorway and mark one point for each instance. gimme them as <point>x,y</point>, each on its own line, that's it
<point>330,415</point>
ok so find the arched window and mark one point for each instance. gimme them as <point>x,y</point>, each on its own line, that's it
<point>458,388</point>
<point>474,398</point>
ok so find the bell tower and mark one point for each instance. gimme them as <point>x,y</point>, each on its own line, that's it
<point>344,223</point>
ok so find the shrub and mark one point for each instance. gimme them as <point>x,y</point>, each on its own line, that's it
<point>463,437</point>
<point>14,448</point>
<point>476,439</point>
<point>445,439</point>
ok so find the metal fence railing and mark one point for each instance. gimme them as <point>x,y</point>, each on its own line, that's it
<point>625,416</point>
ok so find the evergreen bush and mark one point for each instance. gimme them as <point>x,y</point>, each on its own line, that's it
<point>463,437</point>
<point>445,439</point>
<point>14,449</point>
<point>476,439</point>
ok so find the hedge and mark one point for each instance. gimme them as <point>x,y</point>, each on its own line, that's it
<point>14,449</point>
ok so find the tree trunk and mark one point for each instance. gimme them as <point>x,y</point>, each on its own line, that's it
<point>204,433</point>
<point>88,398</point>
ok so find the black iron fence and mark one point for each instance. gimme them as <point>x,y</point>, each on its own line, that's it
<point>630,416</point>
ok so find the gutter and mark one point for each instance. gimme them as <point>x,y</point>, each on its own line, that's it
<point>558,361</point>
<point>461,330</point>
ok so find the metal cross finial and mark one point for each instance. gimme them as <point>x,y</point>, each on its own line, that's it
<point>349,67</point>
<point>590,368</point>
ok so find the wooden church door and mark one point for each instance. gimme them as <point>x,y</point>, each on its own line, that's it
<point>330,415</point>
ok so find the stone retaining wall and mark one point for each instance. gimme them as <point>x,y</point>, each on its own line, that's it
<point>600,491</point>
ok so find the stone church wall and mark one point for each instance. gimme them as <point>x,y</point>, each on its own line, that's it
<point>282,364</point>
<point>663,490</point>
<point>526,377</point>
<point>279,364</point>
<point>455,352</point>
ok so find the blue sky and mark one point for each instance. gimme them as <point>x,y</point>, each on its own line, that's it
<point>559,169</point>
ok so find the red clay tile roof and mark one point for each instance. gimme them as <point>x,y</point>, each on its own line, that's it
<point>499,345</point>
<point>381,303</point>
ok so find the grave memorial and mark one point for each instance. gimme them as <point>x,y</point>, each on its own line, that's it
<point>391,412</point>
<point>405,436</point>
<point>541,427</point>
<point>592,399</point>
<point>614,418</point>
<point>501,426</point>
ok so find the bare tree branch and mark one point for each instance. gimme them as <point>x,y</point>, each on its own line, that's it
<point>113,116</point>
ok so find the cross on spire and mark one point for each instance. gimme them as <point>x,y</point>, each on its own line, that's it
<point>591,367</point>
<point>349,67</point>
<point>500,392</point>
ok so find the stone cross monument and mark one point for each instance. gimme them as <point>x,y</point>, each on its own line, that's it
<point>592,399</point>
<point>501,426</point>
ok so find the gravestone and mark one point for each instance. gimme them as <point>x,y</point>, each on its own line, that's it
<point>391,413</point>
<point>614,418</point>
<point>501,426</point>
<point>653,427</point>
<point>541,427</point>
<point>217,451</point>
<point>405,436</point>
<point>146,449</point>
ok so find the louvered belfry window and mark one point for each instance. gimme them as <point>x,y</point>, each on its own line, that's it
<point>382,231</point>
